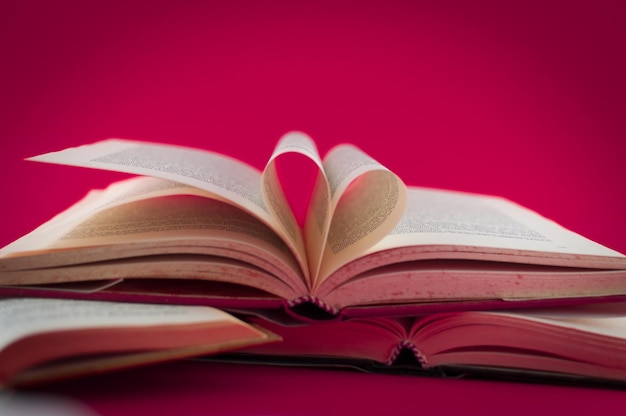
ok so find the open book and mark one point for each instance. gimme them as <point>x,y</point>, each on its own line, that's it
<point>47,339</point>
<point>575,343</point>
<point>200,227</point>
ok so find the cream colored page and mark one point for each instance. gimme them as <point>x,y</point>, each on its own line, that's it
<point>440,217</point>
<point>607,319</point>
<point>22,317</point>
<point>176,217</point>
<point>127,212</point>
<point>218,174</point>
<point>297,142</point>
<point>46,234</point>
<point>290,144</point>
<point>118,193</point>
<point>367,201</point>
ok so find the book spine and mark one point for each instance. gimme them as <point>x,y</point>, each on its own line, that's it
<point>312,300</point>
<point>408,345</point>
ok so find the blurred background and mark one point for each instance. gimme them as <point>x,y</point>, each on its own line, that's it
<point>524,99</point>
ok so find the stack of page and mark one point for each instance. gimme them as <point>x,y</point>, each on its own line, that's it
<point>378,274</point>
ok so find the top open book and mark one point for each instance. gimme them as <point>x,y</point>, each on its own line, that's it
<point>200,227</point>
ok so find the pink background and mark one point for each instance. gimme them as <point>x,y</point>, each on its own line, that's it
<point>517,98</point>
<point>521,99</point>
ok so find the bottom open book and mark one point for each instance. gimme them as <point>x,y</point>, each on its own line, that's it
<point>48,339</point>
<point>581,344</point>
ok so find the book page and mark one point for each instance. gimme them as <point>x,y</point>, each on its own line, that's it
<point>584,340</point>
<point>226,178</point>
<point>606,319</point>
<point>168,216</point>
<point>151,217</point>
<point>449,218</point>
<point>362,203</point>
<point>217,174</point>
<point>22,317</point>
<point>117,193</point>
<point>376,339</point>
<point>290,144</point>
<point>115,212</point>
<point>449,225</point>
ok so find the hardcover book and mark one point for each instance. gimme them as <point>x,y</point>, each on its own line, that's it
<point>197,227</point>
<point>578,344</point>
